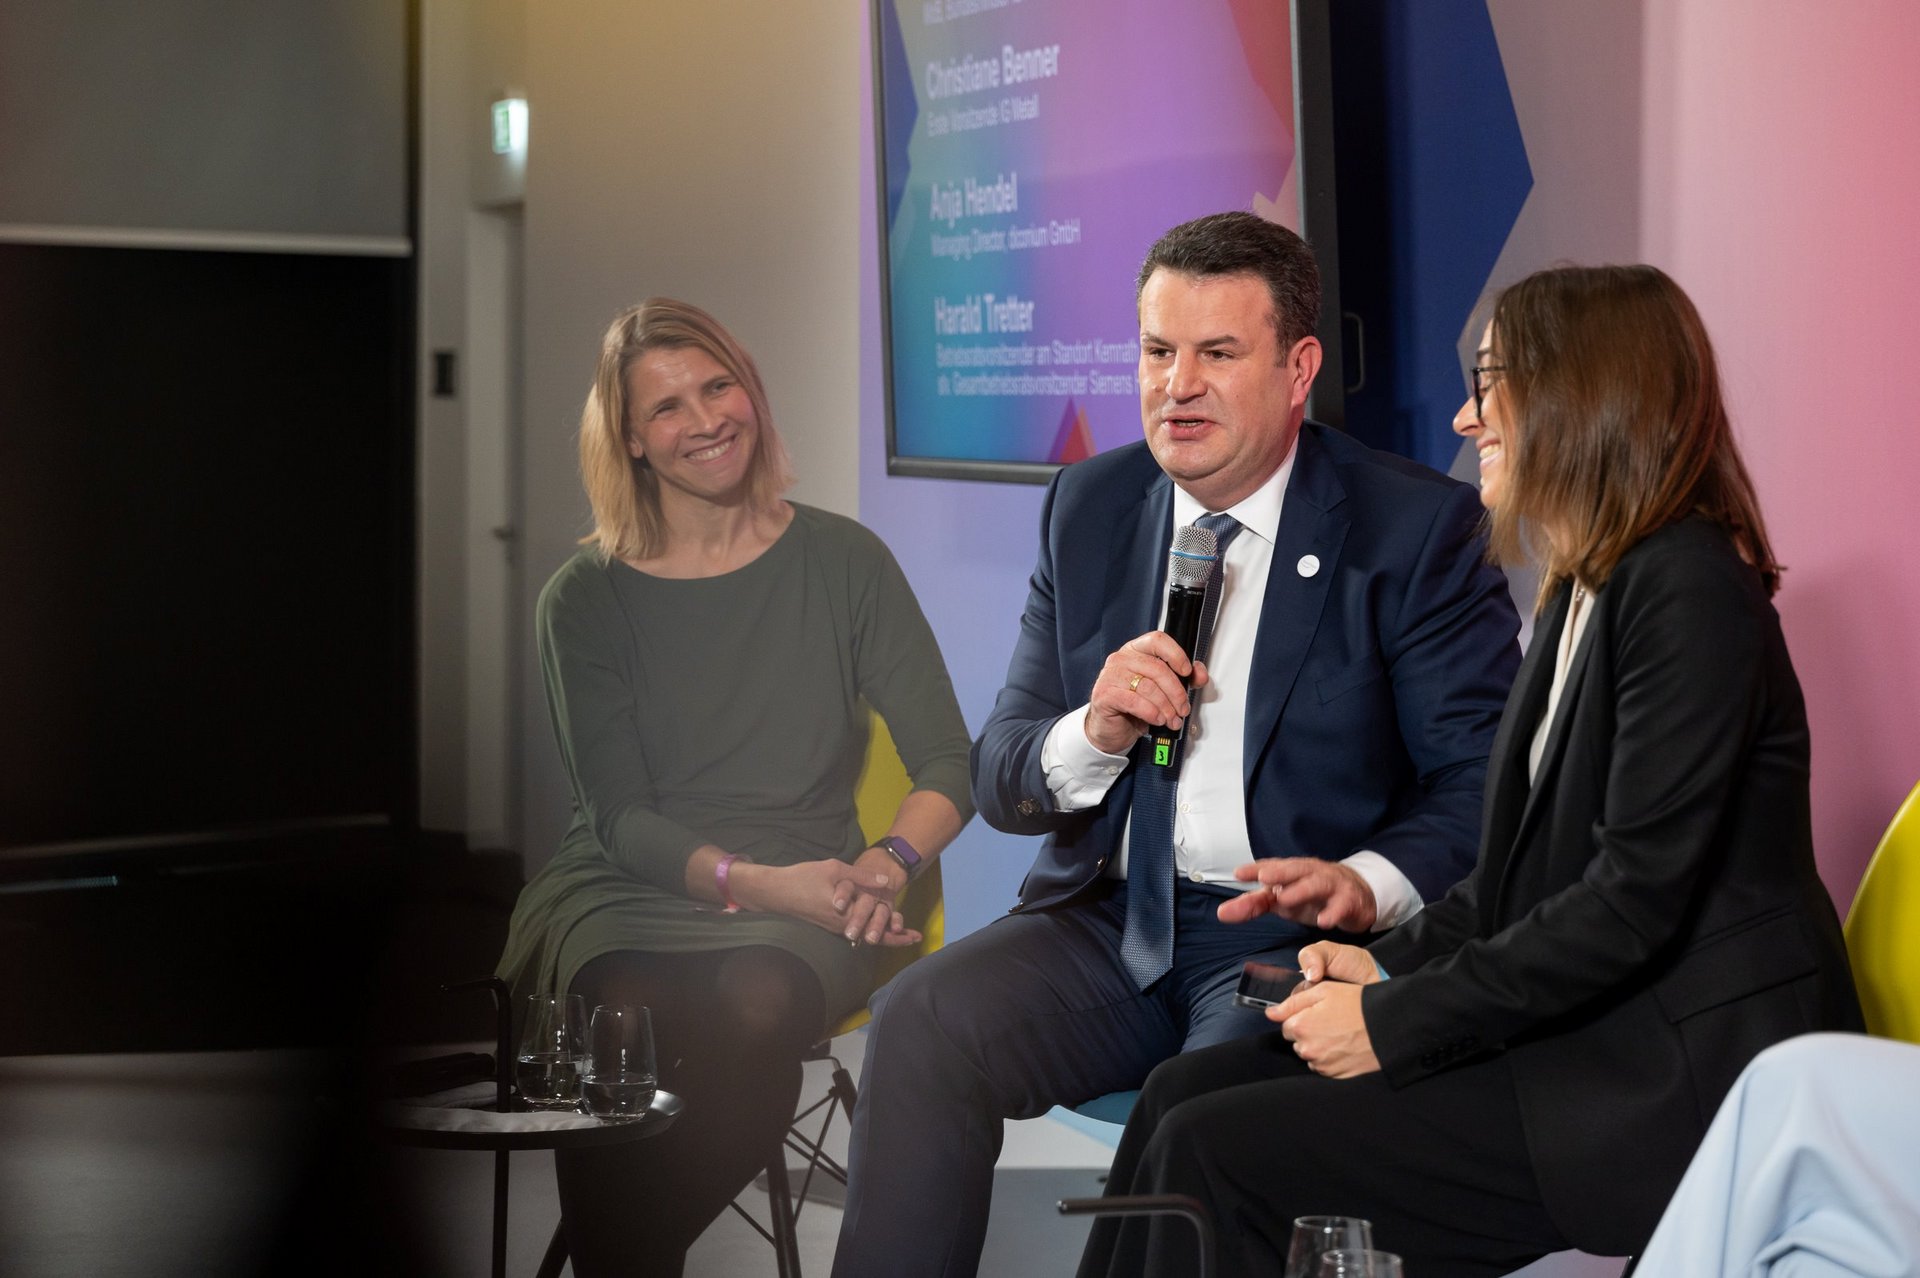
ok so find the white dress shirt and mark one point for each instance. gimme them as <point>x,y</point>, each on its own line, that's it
<point>1210,835</point>
<point>1572,636</point>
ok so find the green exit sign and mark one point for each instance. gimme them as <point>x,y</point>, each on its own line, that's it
<point>509,126</point>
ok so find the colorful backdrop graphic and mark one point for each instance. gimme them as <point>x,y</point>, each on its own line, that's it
<point>1433,172</point>
<point>1458,136</point>
<point>1012,333</point>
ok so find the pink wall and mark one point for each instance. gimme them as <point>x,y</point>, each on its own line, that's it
<point>1781,188</point>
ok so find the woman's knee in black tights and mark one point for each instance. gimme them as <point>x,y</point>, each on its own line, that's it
<point>768,1001</point>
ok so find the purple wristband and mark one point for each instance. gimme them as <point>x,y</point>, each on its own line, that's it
<point>904,854</point>
<point>722,871</point>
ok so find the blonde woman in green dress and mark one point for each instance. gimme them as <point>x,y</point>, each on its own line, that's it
<point>709,658</point>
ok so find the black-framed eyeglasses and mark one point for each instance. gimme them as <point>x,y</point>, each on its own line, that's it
<point>1481,385</point>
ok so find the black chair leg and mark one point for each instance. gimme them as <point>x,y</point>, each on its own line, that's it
<point>843,1088</point>
<point>786,1247</point>
<point>1152,1205</point>
<point>783,1211</point>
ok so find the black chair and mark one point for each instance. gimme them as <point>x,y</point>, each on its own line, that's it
<point>925,909</point>
<point>785,1199</point>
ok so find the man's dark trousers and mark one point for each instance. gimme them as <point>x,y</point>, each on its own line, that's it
<point>1385,649</point>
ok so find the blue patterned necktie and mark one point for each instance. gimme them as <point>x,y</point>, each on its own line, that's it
<point>1147,945</point>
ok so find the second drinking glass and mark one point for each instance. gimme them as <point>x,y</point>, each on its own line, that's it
<point>1357,1263</point>
<point>621,1078</point>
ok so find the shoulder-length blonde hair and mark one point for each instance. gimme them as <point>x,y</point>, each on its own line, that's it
<point>623,490</point>
<point>1621,427</point>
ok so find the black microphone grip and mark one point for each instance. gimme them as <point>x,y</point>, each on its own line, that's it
<point>1183,627</point>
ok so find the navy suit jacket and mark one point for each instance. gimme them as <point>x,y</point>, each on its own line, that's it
<point>1377,680</point>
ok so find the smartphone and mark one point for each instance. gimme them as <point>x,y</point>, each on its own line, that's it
<point>1265,985</point>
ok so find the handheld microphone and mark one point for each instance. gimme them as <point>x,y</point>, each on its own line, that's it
<point>1190,565</point>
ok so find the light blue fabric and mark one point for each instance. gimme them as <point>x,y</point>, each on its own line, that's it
<point>1811,1169</point>
<point>1112,1107</point>
<point>1101,1118</point>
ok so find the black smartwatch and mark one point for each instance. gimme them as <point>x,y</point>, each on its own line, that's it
<point>904,855</point>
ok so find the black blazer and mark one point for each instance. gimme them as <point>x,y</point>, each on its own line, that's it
<point>1647,916</point>
<point>1377,680</point>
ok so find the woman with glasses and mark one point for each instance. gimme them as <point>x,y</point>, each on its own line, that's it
<point>709,658</point>
<point>1529,1063</point>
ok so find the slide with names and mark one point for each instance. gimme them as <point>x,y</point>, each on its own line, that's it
<point>1032,150</point>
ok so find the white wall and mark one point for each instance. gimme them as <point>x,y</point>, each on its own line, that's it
<point>471,743</point>
<point>441,451</point>
<point>710,152</point>
<point>1575,74</point>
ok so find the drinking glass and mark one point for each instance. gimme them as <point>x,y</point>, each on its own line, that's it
<point>547,1068</point>
<point>620,1078</point>
<point>1315,1236</point>
<point>1349,1262</point>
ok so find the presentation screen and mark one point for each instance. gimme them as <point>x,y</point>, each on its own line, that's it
<point>1030,151</point>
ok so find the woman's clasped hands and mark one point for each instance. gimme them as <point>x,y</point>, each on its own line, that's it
<point>855,901</point>
<point>1322,1017</point>
<point>871,913</point>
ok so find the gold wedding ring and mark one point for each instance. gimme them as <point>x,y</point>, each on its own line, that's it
<point>1133,684</point>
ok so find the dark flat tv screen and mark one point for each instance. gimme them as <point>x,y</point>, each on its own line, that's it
<point>207,549</point>
<point>1030,151</point>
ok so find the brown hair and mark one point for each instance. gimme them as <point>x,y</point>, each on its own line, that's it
<point>1621,424</point>
<point>1244,244</point>
<point>624,491</point>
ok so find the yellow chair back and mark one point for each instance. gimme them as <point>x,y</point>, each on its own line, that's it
<point>877,796</point>
<point>1883,929</point>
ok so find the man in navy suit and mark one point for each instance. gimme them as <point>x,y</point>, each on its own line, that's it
<point>1338,725</point>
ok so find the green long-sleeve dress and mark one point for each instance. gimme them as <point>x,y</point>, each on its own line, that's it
<point>725,710</point>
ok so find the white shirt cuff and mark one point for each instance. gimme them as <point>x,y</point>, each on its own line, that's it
<point>1079,774</point>
<point>1394,898</point>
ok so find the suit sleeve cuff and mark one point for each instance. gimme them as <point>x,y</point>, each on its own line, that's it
<point>1395,900</point>
<point>1078,773</point>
